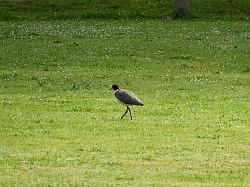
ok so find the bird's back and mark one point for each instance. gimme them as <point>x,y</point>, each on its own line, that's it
<point>127,97</point>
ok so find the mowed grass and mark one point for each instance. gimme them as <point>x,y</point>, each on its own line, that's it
<point>60,123</point>
<point>121,9</point>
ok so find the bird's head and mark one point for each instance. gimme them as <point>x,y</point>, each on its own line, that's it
<point>115,87</point>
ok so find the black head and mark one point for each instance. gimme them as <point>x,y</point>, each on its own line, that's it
<point>115,87</point>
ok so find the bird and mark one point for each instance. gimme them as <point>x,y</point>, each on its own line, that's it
<point>126,98</point>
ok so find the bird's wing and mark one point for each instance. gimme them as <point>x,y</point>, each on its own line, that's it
<point>127,97</point>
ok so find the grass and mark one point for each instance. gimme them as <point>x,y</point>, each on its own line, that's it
<point>120,9</point>
<point>60,124</point>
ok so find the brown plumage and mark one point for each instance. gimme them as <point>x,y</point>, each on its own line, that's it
<point>126,98</point>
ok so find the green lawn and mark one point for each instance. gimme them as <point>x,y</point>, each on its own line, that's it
<point>60,123</point>
<point>121,9</point>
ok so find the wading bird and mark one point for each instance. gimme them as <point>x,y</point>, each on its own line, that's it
<point>126,98</point>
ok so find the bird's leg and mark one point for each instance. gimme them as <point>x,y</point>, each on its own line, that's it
<point>129,112</point>
<point>125,113</point>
